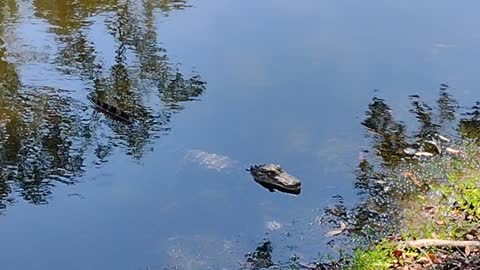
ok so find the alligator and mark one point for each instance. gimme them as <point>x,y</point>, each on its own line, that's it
<point>273,177</point>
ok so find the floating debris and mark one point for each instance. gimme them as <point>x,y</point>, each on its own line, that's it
<point>409,151</point>
<point>338,231</point>
<point>273,225</point>
<point>443,138</point>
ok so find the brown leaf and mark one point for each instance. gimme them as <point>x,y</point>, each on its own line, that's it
<point>423,260</point>
<point>397,253</point>
<point>412,178</point>
<point>432,256</point>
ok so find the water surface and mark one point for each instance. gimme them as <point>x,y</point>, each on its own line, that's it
<point>241,82</point>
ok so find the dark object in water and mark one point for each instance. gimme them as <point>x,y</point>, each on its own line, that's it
<point>261,258</point>
<point>273,177</point>
<point>111,110</point>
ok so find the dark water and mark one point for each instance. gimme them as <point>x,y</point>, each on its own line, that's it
<point>232,83</point>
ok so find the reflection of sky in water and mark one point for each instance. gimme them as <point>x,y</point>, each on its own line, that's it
<point>288,84</point>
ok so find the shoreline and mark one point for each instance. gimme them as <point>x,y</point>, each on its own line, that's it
<point>438,223</point>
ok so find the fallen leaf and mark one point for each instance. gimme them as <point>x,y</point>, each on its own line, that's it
<point>440,222</point>
<point>409,151</point>
<point>443,138</point>
<point>397,253</point>
<point>412,178</point>
<point>424,154</point>
<point>467,250</point>
<point>432,256</point>
<point>453,151</point>
<point>334,232</point>
<point>309,266</point>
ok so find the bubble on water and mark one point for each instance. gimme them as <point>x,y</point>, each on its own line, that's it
<point>273,225</point>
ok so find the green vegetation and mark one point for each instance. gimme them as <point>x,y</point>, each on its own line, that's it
<point>449,209</point>
<point>380,257</point>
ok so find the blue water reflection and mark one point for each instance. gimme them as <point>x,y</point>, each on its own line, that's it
<point>287,83</point>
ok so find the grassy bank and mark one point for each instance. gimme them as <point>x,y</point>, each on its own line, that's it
<point>437,224</point>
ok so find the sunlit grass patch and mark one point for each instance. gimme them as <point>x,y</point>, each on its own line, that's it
<point>448,209</point>
<point>379,256</point>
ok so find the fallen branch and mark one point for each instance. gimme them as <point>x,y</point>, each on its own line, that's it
<point>441,243</point>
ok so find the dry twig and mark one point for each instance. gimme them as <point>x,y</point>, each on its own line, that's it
<point>441,243</point>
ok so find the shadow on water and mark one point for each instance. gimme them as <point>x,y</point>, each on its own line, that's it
<point>47,135</point>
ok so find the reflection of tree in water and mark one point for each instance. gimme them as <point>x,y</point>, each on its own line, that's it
<point>379,183</point>
<point>446,104</point>
<point>46,135</point>
<point>424,115</point>
<point>469,126</point>
<point>390,138</point>
<point>261,258</point>
<point>123,84</point>
<point>68,16</point>
<point>41,143</point>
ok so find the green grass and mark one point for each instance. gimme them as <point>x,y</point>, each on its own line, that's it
<point>379,257</point>
<point>450,209</point>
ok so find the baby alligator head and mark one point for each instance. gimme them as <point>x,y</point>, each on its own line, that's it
<point>273,177</point>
